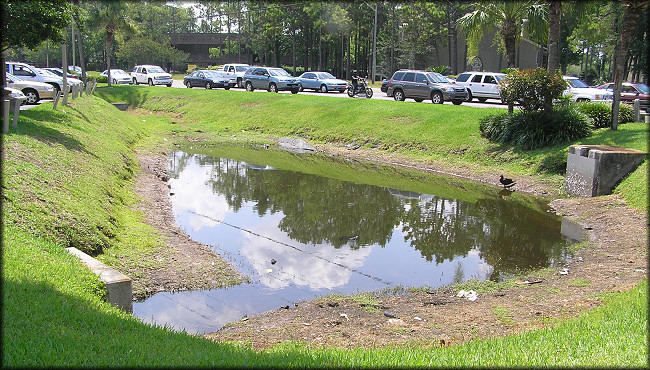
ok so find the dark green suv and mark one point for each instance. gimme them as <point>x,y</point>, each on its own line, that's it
<point>421,85</point>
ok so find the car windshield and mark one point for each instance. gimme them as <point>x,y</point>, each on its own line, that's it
<point>45,72</point>
<point>241,68</point>
<point>325,76</point>
<point>118,72</point>
<point>500,77</point>
<point>155,69</point>
<point>213,74</point>
<point>574,82</point>
<point>278,72</point>
<point>643,88</point>
<point>438,78</point>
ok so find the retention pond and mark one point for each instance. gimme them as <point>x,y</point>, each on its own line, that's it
<point>307,225</point>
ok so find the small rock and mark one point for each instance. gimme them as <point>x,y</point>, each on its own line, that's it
<point>273,261</point>
<point>417,318</point>
<point>564,272</point>
<point>344,315</point>
<point>395,321</point>
<point>285,307</point>
<point>388,314</point>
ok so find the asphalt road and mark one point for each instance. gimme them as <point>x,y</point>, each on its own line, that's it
<point>377,95</point>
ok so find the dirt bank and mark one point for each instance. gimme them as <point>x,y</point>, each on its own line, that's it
<point>614,260</point>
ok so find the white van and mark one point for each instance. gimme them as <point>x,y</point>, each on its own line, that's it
<point>481,85</point>
<point>152,75</point>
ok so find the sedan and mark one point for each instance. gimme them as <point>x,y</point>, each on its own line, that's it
<point>630,92</point>
<point>321,81</point>
<point>33,90</point>
<point>209,79</point>
<point>59,72</point>
<point>118,76</point>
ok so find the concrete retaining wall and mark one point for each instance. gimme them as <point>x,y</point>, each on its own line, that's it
<point>118,285</point>
<point>594,170</point>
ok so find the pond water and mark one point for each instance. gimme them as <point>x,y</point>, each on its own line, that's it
<point>304,225</point>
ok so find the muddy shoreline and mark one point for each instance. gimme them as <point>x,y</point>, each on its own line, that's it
<point>615,259</point>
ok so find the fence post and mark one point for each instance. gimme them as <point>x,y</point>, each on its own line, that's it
<point>57,96</point>
<point>5,119</point>
<point>637,110</point>
<point>17,103</point>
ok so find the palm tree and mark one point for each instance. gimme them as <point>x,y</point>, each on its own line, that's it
<point>554,17</point>
<point>113,19</point>
<point>508,18</point>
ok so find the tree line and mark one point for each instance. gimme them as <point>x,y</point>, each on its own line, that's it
<point>580,36</point>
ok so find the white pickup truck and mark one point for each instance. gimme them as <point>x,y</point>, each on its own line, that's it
<point>152,75</point>
<point>237,70</point>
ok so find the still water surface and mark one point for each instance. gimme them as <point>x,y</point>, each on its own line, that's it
<point>300,235</point>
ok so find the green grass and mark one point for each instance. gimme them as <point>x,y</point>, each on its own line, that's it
<point>68,178</point>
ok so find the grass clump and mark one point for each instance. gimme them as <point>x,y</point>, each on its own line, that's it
<point>601,113</point>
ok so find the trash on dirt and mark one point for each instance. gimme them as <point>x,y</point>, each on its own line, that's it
<point>245,318</point>
<point>388,314</point>
<point>527,282</point>
<point>273,261</point>
<point>285,307</point>
<point>269,270</point>
<point>564,271</point>
<point>344,315</point>
<point>395,321</point>
<point>306,324</point>
<point>417,318</point>
<point>469,295</point>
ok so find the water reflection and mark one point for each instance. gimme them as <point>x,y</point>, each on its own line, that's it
<point>327,235</point>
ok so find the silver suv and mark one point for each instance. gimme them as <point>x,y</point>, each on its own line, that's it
<point>481,85</point>
<point>27,72</point>
<point>421,85</point>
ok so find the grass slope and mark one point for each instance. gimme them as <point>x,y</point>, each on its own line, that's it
<point>67,180</point>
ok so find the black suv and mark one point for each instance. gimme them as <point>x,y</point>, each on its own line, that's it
<point>420,85</point>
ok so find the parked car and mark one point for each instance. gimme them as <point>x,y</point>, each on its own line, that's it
<point>150,74</point>
<point>321,81</point>
<point>118,76</point>
<point>421,85</point>
<point>580,91</point>
<point>481,85</point>
<point>271,79</point>
<point>11,93</point>
<point>210,79</point>
<point>59,72</point>
<point>237,70</point>
<point>384,86</point>
<point>33,90</point>
<point>630,92</point>
<point>71,81</point>
<point>28,72</point>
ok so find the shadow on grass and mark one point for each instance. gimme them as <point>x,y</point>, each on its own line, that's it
<point>44,327</point>
<point>34,123</point>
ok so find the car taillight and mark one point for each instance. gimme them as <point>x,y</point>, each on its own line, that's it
<point>390,82</point>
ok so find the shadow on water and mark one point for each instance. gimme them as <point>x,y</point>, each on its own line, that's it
<point>339,226</point>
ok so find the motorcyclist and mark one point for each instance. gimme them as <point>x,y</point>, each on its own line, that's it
<point>355,81</point>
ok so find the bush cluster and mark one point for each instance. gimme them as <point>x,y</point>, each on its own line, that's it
<point>534,89</point>
<point>103,79</point>
<point>536,129</point>
<point>601,113</point>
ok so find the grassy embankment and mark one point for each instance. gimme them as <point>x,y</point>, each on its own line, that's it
<point>67,179</point>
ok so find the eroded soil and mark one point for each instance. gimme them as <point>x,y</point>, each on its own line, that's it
<point>614,260</point>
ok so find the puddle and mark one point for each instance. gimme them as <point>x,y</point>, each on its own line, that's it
<point>303,226</point>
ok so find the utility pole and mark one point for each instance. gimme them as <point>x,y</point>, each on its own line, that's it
<point>374,47</point>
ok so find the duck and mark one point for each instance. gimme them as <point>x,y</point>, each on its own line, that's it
<point>506,182</point>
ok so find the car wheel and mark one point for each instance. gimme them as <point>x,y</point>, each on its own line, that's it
<point>226,88</point>
<point>436,97</point>
<point>369,93</point>
<point>188,84</point>
<point>249,86</point>
<point>469,95</point>
<point>482,100</point>
<point>398,95</point>
<point>300,87</point>
<point>295,91</point>
<point>150,82</point>
<point>169,85</point>
<point>273,88</point>
<point>419,100</point>
<point>208,86</point>
<point>323,88</point>
<point>350,92</point>
<point>31,95</point>
<point>457,102</point>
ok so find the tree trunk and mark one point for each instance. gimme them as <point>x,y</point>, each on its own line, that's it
<point>509,34</point>
<point>109,41</point>
<point>633,11</point>
<point>554,16</point>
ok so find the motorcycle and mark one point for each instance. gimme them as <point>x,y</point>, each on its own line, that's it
<point>362,88</point>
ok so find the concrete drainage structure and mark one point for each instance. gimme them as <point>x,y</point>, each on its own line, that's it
<point>594,170</point>
<point>118,285</point>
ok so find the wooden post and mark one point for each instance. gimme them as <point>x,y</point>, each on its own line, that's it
<point>16,105</point>
<point>637,110</point>
<point>57,96</point>
<point>5,119</point>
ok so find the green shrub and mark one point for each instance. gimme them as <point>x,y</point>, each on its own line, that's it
<point>103,79</point>
<point>443,70</point>
<point>536,129</point>
<point>534,89</point>
<point>601,113</point>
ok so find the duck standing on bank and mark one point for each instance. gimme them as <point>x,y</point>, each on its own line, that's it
<point>506,182</point>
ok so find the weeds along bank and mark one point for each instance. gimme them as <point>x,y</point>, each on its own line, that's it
<point>67,180</point>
